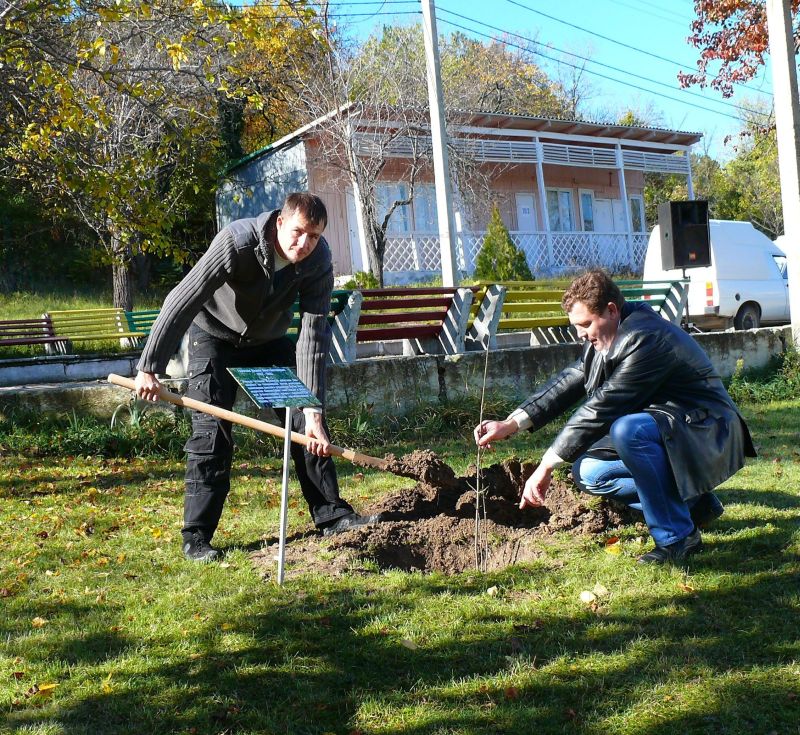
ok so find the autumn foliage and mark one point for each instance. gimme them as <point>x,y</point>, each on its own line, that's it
<point>733,38</point>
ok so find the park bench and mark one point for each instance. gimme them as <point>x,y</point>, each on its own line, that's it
<point>75,325</point>
<point>344,304</point>
<point>35,331</point>
<point>423,319</point>
<point>536,306</point>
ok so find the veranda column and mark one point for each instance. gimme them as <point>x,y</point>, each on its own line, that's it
<point>626,208</point>
<point>543,203</point>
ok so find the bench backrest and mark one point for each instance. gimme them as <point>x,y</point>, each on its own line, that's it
<point>535,306</point>
<point>338,302</point>
<point>34,331</point>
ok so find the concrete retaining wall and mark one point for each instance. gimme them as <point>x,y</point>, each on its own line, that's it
<point>387,384</point>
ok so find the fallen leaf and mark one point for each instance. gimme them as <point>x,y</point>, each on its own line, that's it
<point>599,590</point>
<point>492,591</point>
<point>409,644</point>
<point>685,587</point>
<point>41,690</point>
<point>613,545</point>
<point>511,693</point>
<point>18,675</point>
<point>38,622</point>
<point>588,597</point>
<point>107,688</point>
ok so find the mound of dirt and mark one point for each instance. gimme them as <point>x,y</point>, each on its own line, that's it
<point>435,526</point>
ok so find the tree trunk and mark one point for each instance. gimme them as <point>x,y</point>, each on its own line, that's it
<point>376,249</point>
<point>144,271</point>
<point>121,273</point>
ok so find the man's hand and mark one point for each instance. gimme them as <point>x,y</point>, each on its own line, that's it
<point>536,487</point>
<point>147,386</point>
<point>319,443</point>
<point>488,431</point>
<point>539,482</point>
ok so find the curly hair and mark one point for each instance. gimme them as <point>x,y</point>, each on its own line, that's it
<point>595,290</point>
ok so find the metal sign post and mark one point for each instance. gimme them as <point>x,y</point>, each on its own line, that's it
<point>277,388</point>
<point>287,443</point>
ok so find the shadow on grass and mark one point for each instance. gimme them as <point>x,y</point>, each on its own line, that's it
<point>332,656</point>
<point>289,661</point>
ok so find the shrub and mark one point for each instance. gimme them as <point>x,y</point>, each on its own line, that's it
<point>779,381</point>
<point>499,259</point>
<point>361,280</point>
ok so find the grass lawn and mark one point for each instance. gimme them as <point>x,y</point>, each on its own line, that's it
<point>106,629</point>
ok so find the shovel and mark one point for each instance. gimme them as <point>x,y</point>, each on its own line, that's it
<point>363,460</point>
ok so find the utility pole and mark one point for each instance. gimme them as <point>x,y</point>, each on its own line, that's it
<point>441,168</point>
<point>787,124</point>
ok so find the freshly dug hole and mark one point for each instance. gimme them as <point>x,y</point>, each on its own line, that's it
<point>431,526</point>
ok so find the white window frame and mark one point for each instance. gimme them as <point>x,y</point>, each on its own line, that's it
<point>559,191</point>
<point>581,193</point>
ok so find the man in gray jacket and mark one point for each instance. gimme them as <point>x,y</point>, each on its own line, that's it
<point>657,431</point>
<point>236,303</point>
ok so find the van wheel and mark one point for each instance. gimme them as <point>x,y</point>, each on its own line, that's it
<point>748,317</point>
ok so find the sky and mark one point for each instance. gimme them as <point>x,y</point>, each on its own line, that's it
<point>635,50</point>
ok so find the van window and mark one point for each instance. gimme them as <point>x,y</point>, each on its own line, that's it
<point>780,261</point>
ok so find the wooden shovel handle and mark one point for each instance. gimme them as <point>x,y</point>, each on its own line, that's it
<point>251,423</point>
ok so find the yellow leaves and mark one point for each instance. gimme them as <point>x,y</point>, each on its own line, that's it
<point>38,622</point>
<point>106,687</point>
<point>41,690</point>
<point>613,545</point>
<point>591,597</point>
<point>177,55</point>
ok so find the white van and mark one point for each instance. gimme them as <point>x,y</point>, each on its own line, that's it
<point>746,284</point>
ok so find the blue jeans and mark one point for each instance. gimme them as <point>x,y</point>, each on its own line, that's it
<point>641,478</point>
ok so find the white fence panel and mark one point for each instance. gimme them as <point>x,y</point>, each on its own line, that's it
<point>419,253</point>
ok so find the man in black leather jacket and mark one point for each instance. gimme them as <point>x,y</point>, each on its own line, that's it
<point>657,431</point>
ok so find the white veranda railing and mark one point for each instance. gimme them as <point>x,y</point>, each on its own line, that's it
<point>547,253</point>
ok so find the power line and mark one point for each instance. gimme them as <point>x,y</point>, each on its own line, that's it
<point>618,43</point>
<point>638,9</point>
<point>598,74</point>
<point>600,63</point>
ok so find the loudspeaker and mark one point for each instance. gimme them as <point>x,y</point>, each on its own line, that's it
<point>684,234</point>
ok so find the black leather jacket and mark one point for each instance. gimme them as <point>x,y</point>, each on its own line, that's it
<point>652,366</point>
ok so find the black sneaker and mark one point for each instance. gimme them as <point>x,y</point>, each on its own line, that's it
<point>674,553</point>
<point>707,509</point>
<point>196,548</point>
<point>349,522</point>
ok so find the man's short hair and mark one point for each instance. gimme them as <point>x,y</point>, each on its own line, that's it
<point>595,290</point>
<point>309,205</point>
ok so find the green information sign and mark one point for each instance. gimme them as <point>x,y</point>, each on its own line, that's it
<point>274,387</point>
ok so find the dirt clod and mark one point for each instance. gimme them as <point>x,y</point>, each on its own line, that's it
<point>432,526</point>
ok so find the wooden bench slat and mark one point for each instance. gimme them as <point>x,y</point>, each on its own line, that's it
<point>368,293</point>
<point>406,317</point>
<point>533,306</point>
<point>533,322</point>
<point>15,342</point>
<point>413,332</point>
<point>407,303</point>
